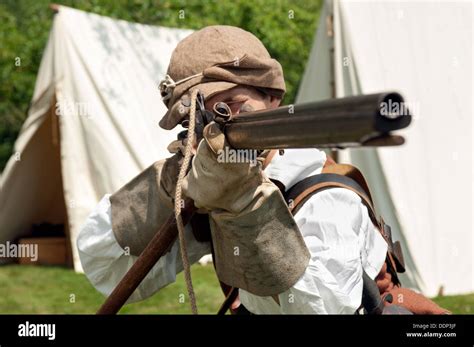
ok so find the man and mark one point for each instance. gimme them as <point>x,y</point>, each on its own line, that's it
<point>308,263</point>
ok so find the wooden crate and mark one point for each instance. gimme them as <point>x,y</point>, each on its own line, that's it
<point>50,250</point>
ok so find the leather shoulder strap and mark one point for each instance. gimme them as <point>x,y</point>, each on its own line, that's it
<point>350,172</point>
<point>348,177</point>
<point>332,176</point>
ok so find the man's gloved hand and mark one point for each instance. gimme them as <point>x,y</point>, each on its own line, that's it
<point>215,183</point>
<point>257,244</point>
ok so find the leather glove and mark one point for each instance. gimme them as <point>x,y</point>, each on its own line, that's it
<point>216,183</point>
<point>257,244</point>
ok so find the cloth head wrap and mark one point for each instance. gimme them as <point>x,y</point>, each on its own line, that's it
<point>215,59</point>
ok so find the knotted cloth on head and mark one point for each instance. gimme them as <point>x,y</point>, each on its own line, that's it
<point>215,59</point>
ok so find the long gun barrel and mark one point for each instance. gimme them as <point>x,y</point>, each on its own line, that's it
<point>365,120</point>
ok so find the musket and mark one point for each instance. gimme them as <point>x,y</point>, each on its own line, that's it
<point>365,120</point>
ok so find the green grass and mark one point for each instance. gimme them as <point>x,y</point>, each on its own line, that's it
<point>460,304</point>
<point>33,289</point>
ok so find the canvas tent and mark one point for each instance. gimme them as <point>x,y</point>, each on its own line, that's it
<point>424,188</point>
<point>93,121</point>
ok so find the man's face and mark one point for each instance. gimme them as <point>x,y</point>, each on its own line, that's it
<point>243,99</point>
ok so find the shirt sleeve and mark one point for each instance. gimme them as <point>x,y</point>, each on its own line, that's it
<point>342,241</point>
<point>105,262</point>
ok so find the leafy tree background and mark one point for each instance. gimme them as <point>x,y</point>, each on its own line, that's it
<point>286,28</point>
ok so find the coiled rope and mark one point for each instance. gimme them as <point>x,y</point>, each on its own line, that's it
<point>178,202</point>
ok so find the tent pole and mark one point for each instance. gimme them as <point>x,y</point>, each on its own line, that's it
<point>330,33</point>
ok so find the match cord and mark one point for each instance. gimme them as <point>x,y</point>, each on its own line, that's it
<point>177,203</point>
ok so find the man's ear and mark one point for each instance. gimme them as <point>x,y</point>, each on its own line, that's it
<point>274,101</point>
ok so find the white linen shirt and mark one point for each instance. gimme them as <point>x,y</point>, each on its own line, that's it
<point>334,223</point>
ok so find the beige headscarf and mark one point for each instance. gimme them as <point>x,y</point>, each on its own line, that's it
<point>215,59</point>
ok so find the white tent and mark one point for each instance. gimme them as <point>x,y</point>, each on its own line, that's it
<point>93,121</point>
<point>424,188</point>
